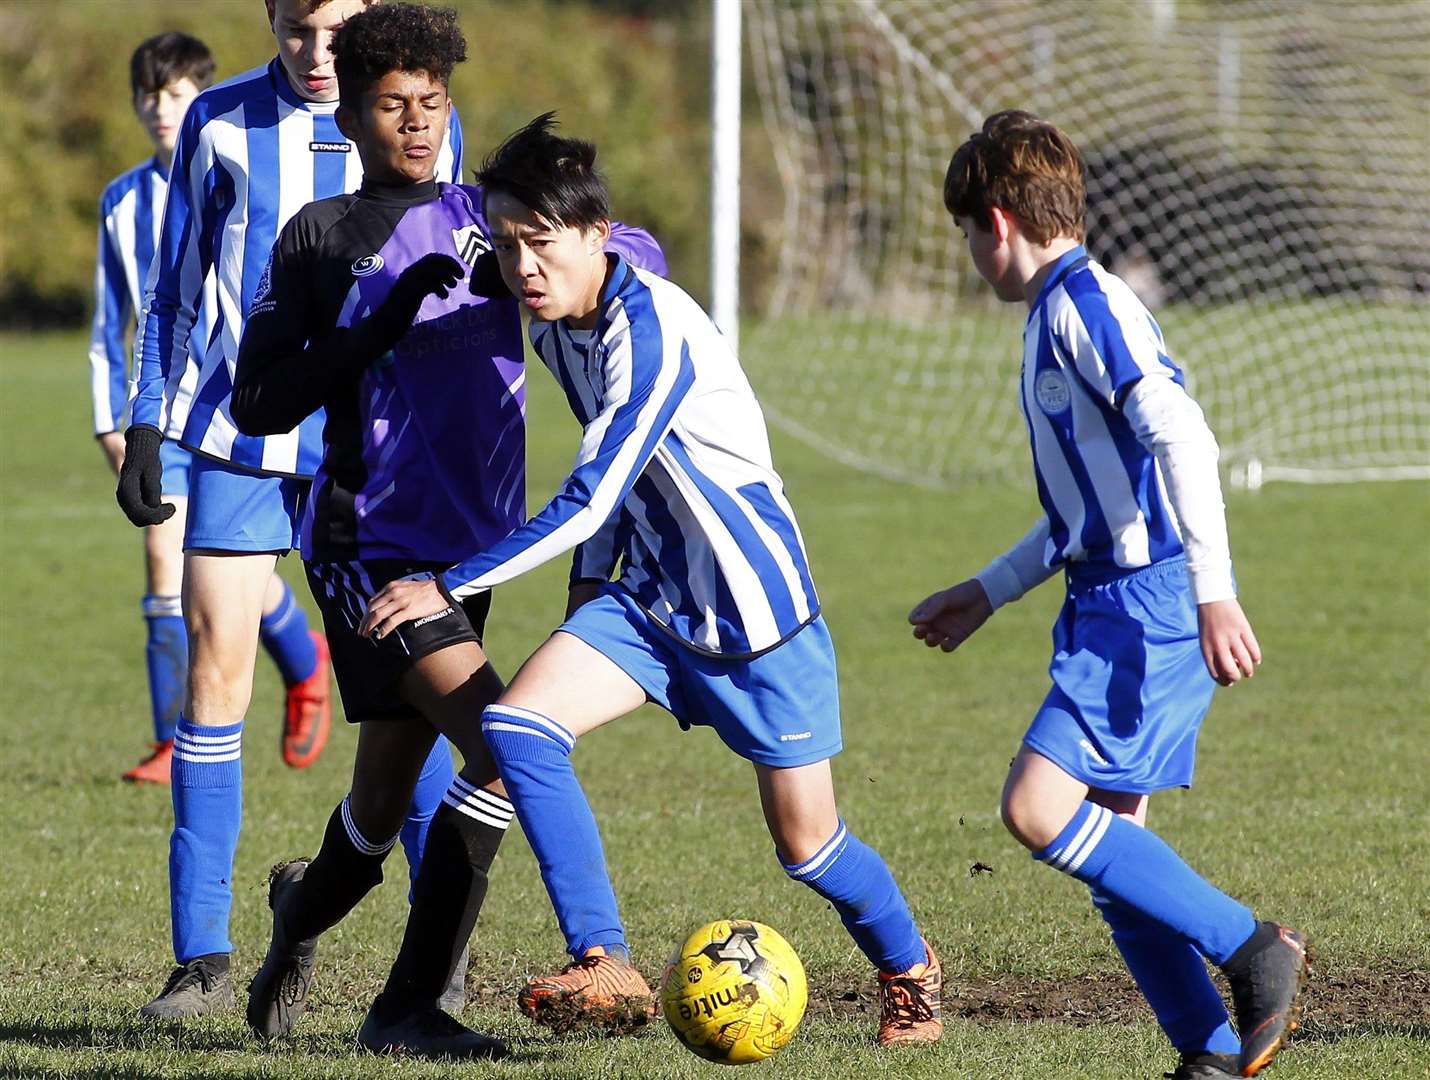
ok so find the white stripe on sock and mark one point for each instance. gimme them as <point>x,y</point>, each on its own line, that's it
<point>1060,858</point>
<point>562,735</point>
<point>1104,820</point>
<point>816,862</point>
<point>477,813</point>
<point>495,803</point>
<point>522,729</point>
<point>357,839</point>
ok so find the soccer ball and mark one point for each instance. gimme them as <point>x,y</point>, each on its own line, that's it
<point>734,992</point>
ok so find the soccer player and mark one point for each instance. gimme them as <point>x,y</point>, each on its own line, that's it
<point>1126,472</point>
<point>251,151</point>
<point>714,616</point>
<point>166,73</point>
<point>366,313</point>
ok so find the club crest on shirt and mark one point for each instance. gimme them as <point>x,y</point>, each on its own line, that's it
<point>265,281</point>
<point>470,243</point>
<point>367,265</point>
<point>1050,389</point>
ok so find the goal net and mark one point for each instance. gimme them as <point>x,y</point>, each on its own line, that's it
<point>1259,172</point>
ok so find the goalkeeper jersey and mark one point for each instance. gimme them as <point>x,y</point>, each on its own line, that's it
<point>130,211</point>
<point>673,479</point>
<point>1088,340</point>
<point>250,154</point>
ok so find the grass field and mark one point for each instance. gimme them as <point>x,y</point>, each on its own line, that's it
<point>1311,802</point>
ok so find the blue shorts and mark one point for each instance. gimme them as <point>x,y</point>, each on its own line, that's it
<point>234,510</point>
<point>780,709</point>
<point>1130,687</point>
<point>175,462</point>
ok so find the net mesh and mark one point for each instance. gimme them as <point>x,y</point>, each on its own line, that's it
<point>1259,172</point>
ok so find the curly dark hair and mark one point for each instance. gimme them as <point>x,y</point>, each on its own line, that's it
<point>552,175</point>
<point>396,37</point>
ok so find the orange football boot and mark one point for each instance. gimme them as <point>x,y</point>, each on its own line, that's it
<point>598,989</point>
<point>155,768</point>
<point>910,1003</point>
<point>309,713</point>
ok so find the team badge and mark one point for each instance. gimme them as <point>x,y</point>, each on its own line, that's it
<point>1050,389</point>
<point>265,283</point>
<point>367,266</point>
<point>470,243</point>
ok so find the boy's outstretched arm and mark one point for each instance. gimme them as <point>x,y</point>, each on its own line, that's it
<point>1171,425</point>
<point>949,617</point>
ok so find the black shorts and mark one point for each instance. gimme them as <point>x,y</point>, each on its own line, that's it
<point>368,671</point>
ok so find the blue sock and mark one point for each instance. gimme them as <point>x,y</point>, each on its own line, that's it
<point>284,633</point>
<point>1135,867</point>
<point>207,788</point>
<point>432,784</point>
<point>167,656</point>
<point>851,876</point>
<point>1173,978</point>
<point>532,753</point>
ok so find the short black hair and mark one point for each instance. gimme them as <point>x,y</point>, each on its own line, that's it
<point>555,177</point>
<point>167,58</point>
<point>396,37</point>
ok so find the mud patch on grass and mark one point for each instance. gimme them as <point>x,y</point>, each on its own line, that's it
<point>1340,1002</point>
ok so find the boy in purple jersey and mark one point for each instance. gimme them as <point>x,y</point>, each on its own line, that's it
<point>1126,473</point>
<point>251,151</point>
<point>364,312</point>
<point>166,73</point>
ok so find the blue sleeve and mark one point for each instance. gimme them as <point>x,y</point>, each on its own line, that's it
<point>107,354</point>
<point>646,379</point>
<point>182,261</point>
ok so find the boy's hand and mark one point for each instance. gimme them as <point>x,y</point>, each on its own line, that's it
<point>402,601</point>
<point>947,619</point>
<point>433,274</point>
<point>1228,645</point>
<point>140,490</point>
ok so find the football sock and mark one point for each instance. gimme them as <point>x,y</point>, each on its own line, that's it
<point>432,783</point>
<point>532,753</point>
<point>347,867</point>
<point>1135,867</point>
<point>1172,976</point>
<point>167,655</point>
<point>447,896</point>
<point>851,876</point>
<point>284,633</point>
<point>207,789</point>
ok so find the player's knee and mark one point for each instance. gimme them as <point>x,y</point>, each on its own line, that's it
<point>1028,818</point>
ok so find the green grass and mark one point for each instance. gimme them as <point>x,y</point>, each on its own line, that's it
<point>1310,802</point>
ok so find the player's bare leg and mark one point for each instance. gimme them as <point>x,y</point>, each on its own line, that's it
<point>1064,824</point>
<point>816,848</point>
<point>164,578</point>
<point>564,690</point>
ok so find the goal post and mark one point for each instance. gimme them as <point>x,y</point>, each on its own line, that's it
<point>1259,172</point>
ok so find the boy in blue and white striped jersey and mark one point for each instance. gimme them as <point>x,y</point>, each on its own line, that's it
<point>1126,471</point>
<point>166,73</point>
<point>714,615</point>
<point>251,152</point>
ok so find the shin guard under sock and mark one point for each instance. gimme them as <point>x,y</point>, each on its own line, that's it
<point>1135,867</point>
<point>207,791</point>
<point>166,655</point>
<point>347,867</point>
<point>851,876</point>
<point>447,896</point>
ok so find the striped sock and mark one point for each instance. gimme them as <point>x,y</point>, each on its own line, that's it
<point>1172,976</point>
<point>166,654</point>
<point>532,753</point>
<point>1136,868</point>
<point>851,876</point>
<point>448,893</point>
<point>207,790</point>
<point>432,783</point>
<point>284,633</point>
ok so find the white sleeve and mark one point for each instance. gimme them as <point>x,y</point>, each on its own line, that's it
<point>1171,426</point>
<point>1022,567</point>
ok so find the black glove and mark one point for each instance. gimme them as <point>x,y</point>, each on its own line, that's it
<point>434,273</point>
<point>140,477</point>
<point>486,278</point>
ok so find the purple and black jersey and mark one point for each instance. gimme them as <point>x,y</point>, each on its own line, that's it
<point>424,451</point>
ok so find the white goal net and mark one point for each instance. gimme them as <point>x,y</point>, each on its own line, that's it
<point>1259,171</point>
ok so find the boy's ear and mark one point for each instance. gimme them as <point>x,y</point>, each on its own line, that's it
<point>347,122</point>
<point>598,234</point>
<point>1002,223</point>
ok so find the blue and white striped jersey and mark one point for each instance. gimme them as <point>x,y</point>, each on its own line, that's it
<point>1088,340</point>
<point>673,478</point>
<point>130,211</point>
<point>250,154</point>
